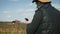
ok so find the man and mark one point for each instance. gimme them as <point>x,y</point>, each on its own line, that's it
<point>46,19</point>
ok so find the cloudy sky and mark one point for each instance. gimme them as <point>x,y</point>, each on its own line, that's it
<point>20,9</point>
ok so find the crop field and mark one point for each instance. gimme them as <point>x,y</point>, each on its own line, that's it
<point>9,28</point>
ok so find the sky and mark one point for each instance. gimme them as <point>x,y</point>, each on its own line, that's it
<point>20,9</point>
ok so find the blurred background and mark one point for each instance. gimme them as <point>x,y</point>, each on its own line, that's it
<point>20,9</point>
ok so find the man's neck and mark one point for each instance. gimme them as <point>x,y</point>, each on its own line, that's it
<point>45,5</point>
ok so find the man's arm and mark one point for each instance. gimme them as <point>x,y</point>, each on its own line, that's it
<point>31,29</point>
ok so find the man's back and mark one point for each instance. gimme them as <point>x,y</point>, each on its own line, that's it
<point>51,20</point>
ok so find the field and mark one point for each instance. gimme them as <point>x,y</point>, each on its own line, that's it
<point>9,28</point>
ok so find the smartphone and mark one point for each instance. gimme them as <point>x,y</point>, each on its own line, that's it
<point>26,19</point>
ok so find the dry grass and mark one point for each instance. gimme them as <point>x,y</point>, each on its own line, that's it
<point>9,28</point>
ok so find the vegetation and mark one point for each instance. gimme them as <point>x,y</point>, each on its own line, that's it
<point>10,28</point>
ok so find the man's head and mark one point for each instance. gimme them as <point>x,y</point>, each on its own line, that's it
<point>39,3</point>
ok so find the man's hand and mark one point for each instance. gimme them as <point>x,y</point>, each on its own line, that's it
<point>27,22</point>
